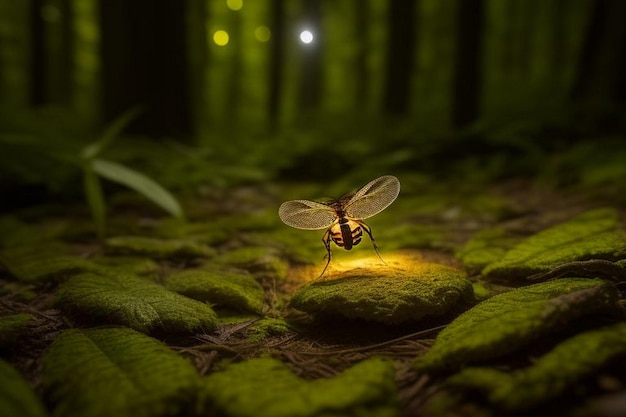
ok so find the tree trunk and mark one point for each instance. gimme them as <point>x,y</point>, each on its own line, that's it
<point>145,63</point>
<point>277,57</point>
<point>467,85</point>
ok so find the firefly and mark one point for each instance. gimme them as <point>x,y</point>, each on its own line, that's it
<point>343,218</point>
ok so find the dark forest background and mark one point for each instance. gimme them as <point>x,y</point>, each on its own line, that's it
<point>429,85</point>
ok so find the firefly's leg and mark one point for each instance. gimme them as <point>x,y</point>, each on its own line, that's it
<point>368,230</point>
<point>326,239</point>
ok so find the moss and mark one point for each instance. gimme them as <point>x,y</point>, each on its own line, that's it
<point>551,375</point>
<point>507,322</point>
<point>219,287</point>
<point>267,326</point>
<point>158,248</point>
<point>16,396</point>
<point>267,388</point>
<point>116,372</point>
<point>591,235</point>
<point>262,262</point>
<point>12,327</point>
<point>388,295</point>
<point>129,264</point>
<point>134,302</point>
<point>485,247</point>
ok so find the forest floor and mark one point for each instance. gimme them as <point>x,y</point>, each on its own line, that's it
<point>442,327</point>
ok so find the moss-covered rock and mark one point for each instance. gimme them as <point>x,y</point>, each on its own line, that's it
<point>550,375</point>
<point>12,326</point>
<point>592,235</point>
<point>507,322</point>
<point>116,372</point>
<point>220,287</point>
<point>134,302</point>
<point>16,397</point>
<point>158,248</point>
<point>484,248</point>
<point>262,262</point>
<point>267,388</point>
<point>387,295</point>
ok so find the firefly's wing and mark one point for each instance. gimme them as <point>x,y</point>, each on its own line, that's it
<point>373,197</point>
<point>307,215</point>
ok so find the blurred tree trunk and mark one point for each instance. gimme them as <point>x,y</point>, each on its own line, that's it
<point>277,57</point>
<point>52,50</point>
<point>145,63</point>
<point>362,39</point>
<point>311,79</point>
<point>468,66</point>
<point>602,62</point>
<point>401,49</point>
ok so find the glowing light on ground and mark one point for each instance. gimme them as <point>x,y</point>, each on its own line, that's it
<point>262,33</point>
<point>234,4</point>
<point>306,36</point>
<point>221,38</point>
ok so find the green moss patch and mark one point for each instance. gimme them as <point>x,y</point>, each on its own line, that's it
<point>16,396</point>
<point>262,262</point>
<point>484,248</point>
<point>552,374</point>
<point>116,372</point>
<point>267,388</point>
<point>591,235</point>
<point>134,302</point>
<point>12,327</point>
<point>387,295</point>
<point>220,287</point>
<point>507,322</point>
<point>158,248</point>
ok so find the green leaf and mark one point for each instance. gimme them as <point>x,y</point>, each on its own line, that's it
<point>95,199</point>
<point>591,235</point>
<point>507,322</point>
<point>16,396</point>
<point>552,374</point>
<point>140,183</point>
<point>134,302</point>
<point>112,131</point>
<point>267,388</point>
<point>224,288</point>
<point>116,372</point>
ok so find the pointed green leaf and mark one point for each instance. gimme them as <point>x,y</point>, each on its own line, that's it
<point>223,288</point>
<point>591,235</point>
<point>134,302</point>
<point>506,322</point>
<point>569,362</point>
<point>267,388</point>
<point>16,396</point>
<point>116,372</point>
<point>112,131</point>
<point>95,199</point>
<point>140,183</point>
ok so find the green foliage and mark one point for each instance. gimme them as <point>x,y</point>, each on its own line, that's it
<point>387,295</point>
<point>158,248</point>
<point>236,290</point>
<point>552,374</point>
<point>16,397</point>
<point>591,235</point>
<point>485,247</point>
<point>116,372</point>
<point>507,322</point>
<point>11,327</point>
<point>267,388</point>
<point>134,302</point>
<point>262,262</point>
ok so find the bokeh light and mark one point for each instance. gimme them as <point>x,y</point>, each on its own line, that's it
<point>306,36</point>
<point>220,37</point>
<point>262,33</point>
<point>234,4</point>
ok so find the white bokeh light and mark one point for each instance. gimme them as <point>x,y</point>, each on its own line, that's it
<point>306,36</point>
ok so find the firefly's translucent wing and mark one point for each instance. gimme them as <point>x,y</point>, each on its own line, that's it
<point>373,197</point>
<point>307,215</point>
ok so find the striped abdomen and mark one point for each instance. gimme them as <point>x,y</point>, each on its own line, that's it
<point>346,233</point>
